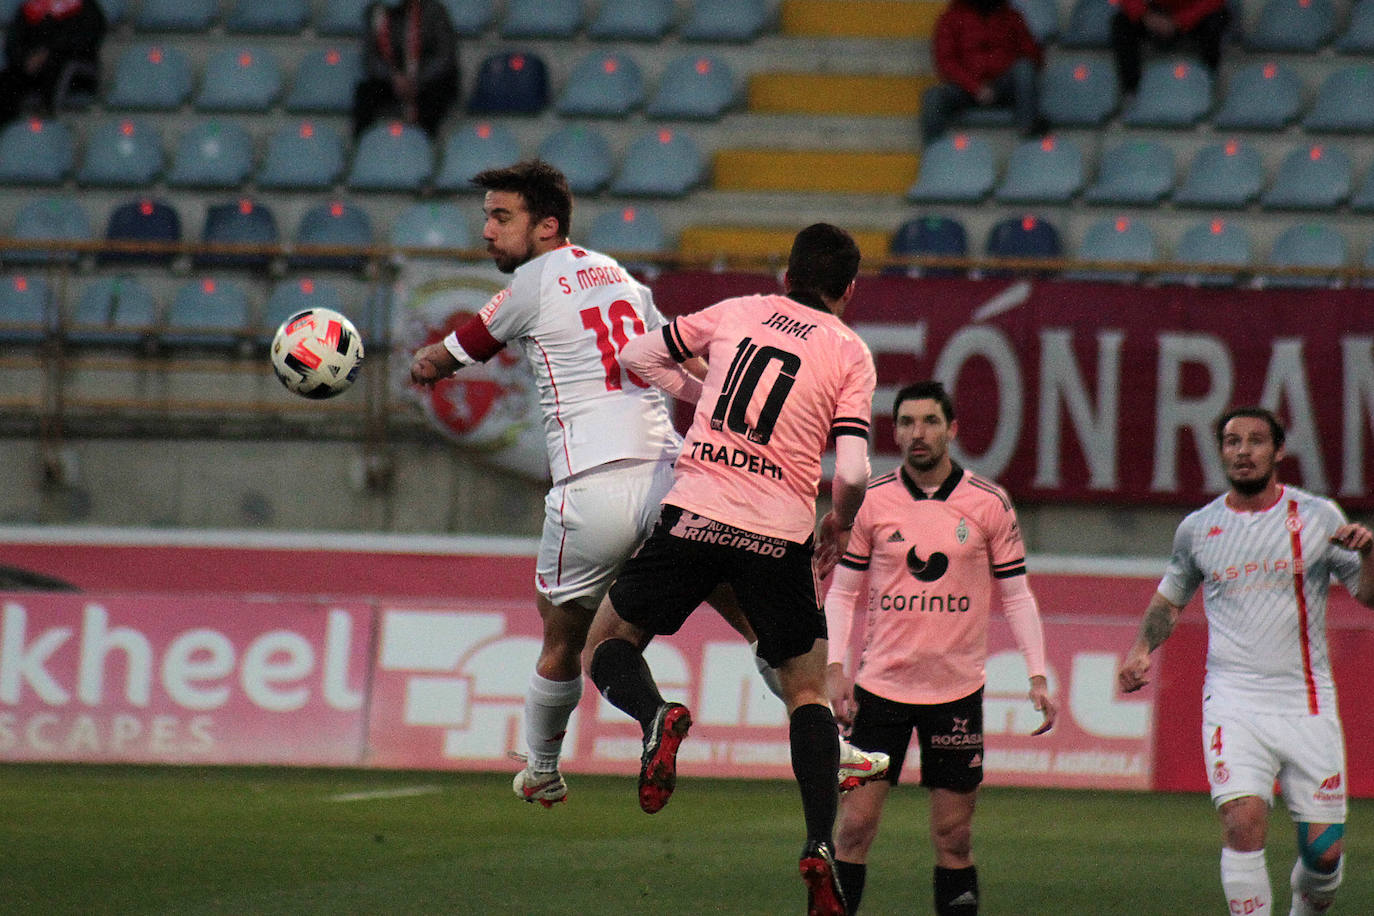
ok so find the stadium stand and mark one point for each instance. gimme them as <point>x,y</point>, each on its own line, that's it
<point>661,163</point>
<point>340,17</point>
<point>36,151</point>
<point>152,77</point>
<point>472,148</point>
<point>1308,245</point>
<point>122,152</point>
<point>511,82</point>
<point>957,168</point>
<point>1344,102</point>
<point>628,230</point>
<point>697,87</point>
<point>114,310</point>
<point>26,308</point>
<point>1174,93</point>
<point>430,224</point>
<point>1358,35</point>
<point>207,312</point>
<point>934,235</point>
<point>302,155</point>
<point>583,154</point>
<point>176,15</point>
<point>324,80</point>
<point>739,21</point>
<point>1026,236</point>
<point>1212,243</point>
<point>1078,91</point>
<point>391,156</point>
<point>1049,170</point>
<point>1089,25</point>
<point>142,221</point>
<point>1115,238</point>
<point>268,17</point>
<point>542,19</point>
<point>332,223</point>
<point>603,84</point>
<point>1310,177</point>
<point>470,18</point>
<point>212,153</point>
<point>51,218</point>
<point>296,294</point>
<point>1265,95</point>
<point>631,20</point>
<point>242,78</point>
<point>1134,172</point>
<point>1227,175</point>
<point>238,222</point>
<point>1292,25</point>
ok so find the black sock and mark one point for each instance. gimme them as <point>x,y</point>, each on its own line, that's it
<point>851,875</point>
<point>956,891</point>
<point>619,671</point>
<point>815,759</point>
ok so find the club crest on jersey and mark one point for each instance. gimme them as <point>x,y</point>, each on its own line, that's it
<point>1220,774</point>
<point>961,533</point>
<point>1293,523</point>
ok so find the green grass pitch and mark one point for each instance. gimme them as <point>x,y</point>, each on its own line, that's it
<point>240,841</point>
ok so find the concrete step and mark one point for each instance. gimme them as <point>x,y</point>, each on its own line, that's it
<point>860,18</point>
<point>837,93</point>
<point>793,171</point>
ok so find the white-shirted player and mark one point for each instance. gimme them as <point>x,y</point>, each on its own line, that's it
<point>1264,555</point>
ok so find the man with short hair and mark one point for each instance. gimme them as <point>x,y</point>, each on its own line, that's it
<point>1264,554</point>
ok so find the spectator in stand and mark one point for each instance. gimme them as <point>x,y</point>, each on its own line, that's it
<point>1166,24</point>
<point>47,42</point>
<point>985,55</point>
<point>410,65</point>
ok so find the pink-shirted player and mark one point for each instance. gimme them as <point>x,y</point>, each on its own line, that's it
<point>928,546</point>
<point>784,375</point>
<point>1264,555</point>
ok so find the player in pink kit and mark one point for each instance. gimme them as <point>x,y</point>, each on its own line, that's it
<point>929,543</point>
<point>1264,555</point>
<point>785,374</point>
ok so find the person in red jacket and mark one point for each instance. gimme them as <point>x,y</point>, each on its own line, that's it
<point>1166,24</point>
<point>49,43</point>
<point>985,55</point>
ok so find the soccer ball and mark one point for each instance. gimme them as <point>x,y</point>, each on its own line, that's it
<point>317,353</point>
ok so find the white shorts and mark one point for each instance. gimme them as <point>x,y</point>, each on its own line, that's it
<point>593,521</point>
<point>1246,752</point>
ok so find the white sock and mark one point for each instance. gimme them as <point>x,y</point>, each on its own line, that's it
<point>1245,879</point>
<point>548,705</point>
<point>770,674</point>
<point>1314,892</point>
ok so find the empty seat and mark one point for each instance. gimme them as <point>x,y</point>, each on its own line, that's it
<point>176,15</point>
<point>36,152</point>
<point>1078,91</point>
<point>1228,174</point>
<point>1362,201</point>
<point>631,20</point>
<point>212,154</point>
<point>238,222</point>
<point>661,163</point>
<point>726,20</point>
<point>324,81</point>
<point>511,82</point>
<point>582,154</point>
<point>957,168</point>
<point>1115,238</point>
<point>628,230</point>
<point>391,156</point>
<point>932,235</point>
<point>430,224</point>
<point>152,77</point>
<point>341,17</point>
<point>1260,96</point>
<point>293,296</point>
<point>696,87</point>
<point>1028,236</point>
<point>1311,245</point>
<point>541,18</point>
<point>114,10</point>
<point>1173,93</point>
<point>1134,172</point>
<point>470,18</point>
<point>1315,177</point>
<point>1292,25</point>
<point>1344,102</point>
<point>1358,35</point>
<point>122,152</point>
<point>333,223</point>
<point>239,79</point>
<point>1090,24</point>
<point>1042,18</point>
<point>26,309</point>
<point>207,312</point>
<point>603,84</point>
<point>1048,170</point>
<point>1213,243</point>
<point>474,148</point>
<point>279,17</point>
<point>302,156</point>
<point>113,311</point>
<point>142,222</point>
<point>61,219</point>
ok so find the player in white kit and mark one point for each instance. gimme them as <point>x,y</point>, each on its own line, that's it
<point>1264,555</point>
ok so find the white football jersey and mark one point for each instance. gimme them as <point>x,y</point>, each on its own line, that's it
<point>571,310</point>
<point>1264,578</point>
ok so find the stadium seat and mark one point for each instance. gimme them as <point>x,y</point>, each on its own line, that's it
<point>1315,177</point>
<point>942,236</point>
<point>470,18</point>
<point>1292,25</point>
<point>61,219</point>
<point>122,152</point>
<point>603,84</point>
<point>334,222</point>
<point>739,21</point>
<point>207,312</point>
<point>1047,170</point>
<point>26,308</point>
<point>512,82</point>
<point>957,168</point>
<point>1115,238</point>
<point>1174,93</point>
<point>239,79</point>
<point>1261,96</point>
<point>268,17</point>
<point>1344,102</point>
<point>631,20</point>
<point>212,154</point>
<point>151,77</point>
<point>144,220</point>
<point>341,17</point>
<point>1135,173</point>
<point>697,87</point>
<point>1090,24</point>
<point>541,18</point>
<point>1023,237</point>
<point>36,152</point>
<point>302,156</point>
<point>1222,175</point>
<point>473,148</point>
<point>391,156</point>
<point>582,154</point>
<point>113,311</point>
<point>628,230</point>
<point>294,295</point>
<point>195,16</point>
<point>1042,18</point>
<point>1308,245</point>
<point>238,222</point>
<point>324,81</point>
<point>661,163</point>
<point>114,10</point>
<point>1362,201</point>
<point>430,224</point>
<point>1212,242</point>
<point>1358,35</point>
<point>1078,91</point>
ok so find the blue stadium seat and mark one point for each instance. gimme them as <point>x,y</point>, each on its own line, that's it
<point>239,222</point>
<point>475,147</point>
<point>114,10</point>
<point>143,220</point>
<point>294,295</point>
<point>628,230</point>
<point>1042,18</point>
<point>268,17</point>
<point>113,311</point>
<point>1078,91</point>
<point>122,152</point>
<point>391,156</point>
<point>36,152</point>
<point>1047,170</point>
<point>1261,96</point>
<point>151,77</point>
<point>511,82</point>
<point>932,235</point>
<point>239,79</point>
<point>1135,173</point>
<point>1358,35</point>
<point>696,87</point>
<point>50,218</point>
<point>324,81</point>
<point>1115,238</point>
<point>1344,102</point>
<point>1292,25</point>
<point>1362,201</point>
<point>341,17</point>
<point>207,312</point>
<point>541,18</point>
<point>470,18</point>
<point>305,155</point>
<point>334,222</point>
<point>1222,175</point>
<point>430,224</point>
<point>738,21</point>
<point>1174,93</point>
<point>1311,245</point>
<point>606,84</point>
<point>957,168</point>
<point>212,154</point>
<point>661,163</point>
<point>582,154</point>
<point>176,15</point>
<point>1090,24</point>
<point>1023,237</point>
<point>1212,242</point>
<point>631,20</point>
<point>1315,177</point>
<point>26,309</point>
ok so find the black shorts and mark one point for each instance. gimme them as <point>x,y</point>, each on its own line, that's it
<point>951,737</point>
<point>688,555</point>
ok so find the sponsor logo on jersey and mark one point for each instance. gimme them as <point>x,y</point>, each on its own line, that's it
<point>1215,530</point>
<point>925,602</point>
<point>895,538</point>
<point>693,527</point>
<point>736,458</point>
<point>958,736</point>
<point>1330,790</point>
<point>1285,568</point>
<point>929,569</point>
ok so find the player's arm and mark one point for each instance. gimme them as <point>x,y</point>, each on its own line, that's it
<point>472,343</point>
<point>841,604</point>
<point>1356,537</point>
<point>650,357</point>
<point>847,489</point>
<point>1161,616</point>
<point>1023,615</point>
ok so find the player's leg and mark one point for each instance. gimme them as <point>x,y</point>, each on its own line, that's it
<point>1319,870</point>
<point>1313,781</point>
<point>951,742</point>
<point>951,833</point>
<point>1241,768</point>
<point>1244,870</point>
